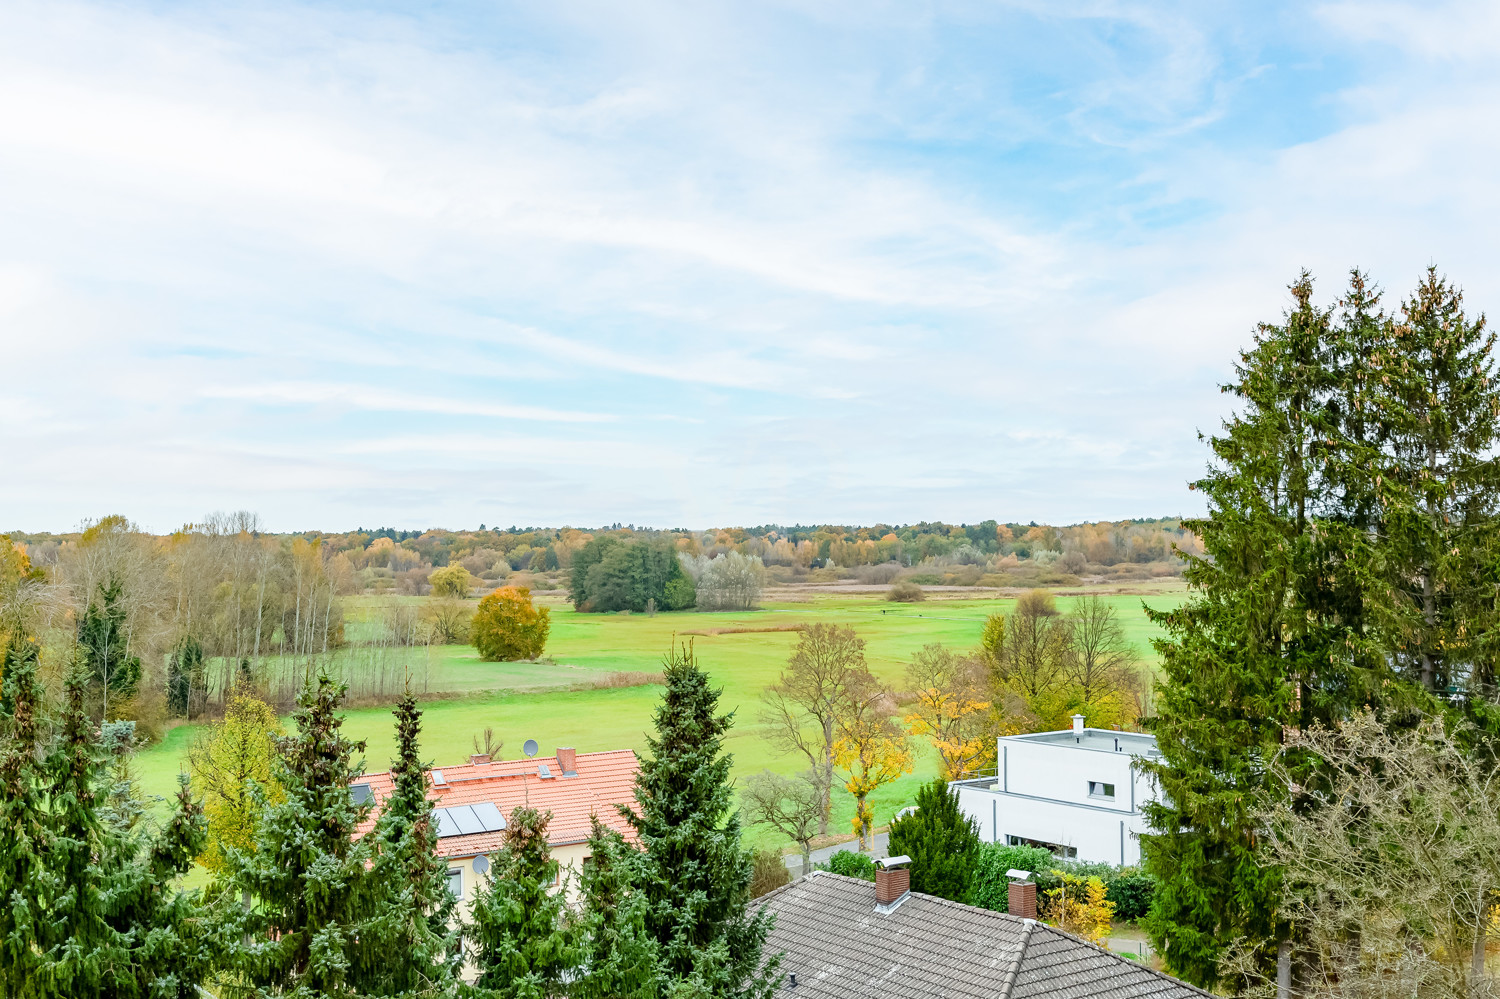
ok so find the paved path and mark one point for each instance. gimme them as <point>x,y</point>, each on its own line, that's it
<point>820,856</point>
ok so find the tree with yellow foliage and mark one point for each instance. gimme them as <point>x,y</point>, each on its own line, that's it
<point>508,626</point>
<point>951,709</point>
<point>233,755</point>
<point>873,752</point>
<point>1078,906</point>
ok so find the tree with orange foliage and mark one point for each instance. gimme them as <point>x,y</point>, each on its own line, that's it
<point>508,626</point>
<point>950,709</point>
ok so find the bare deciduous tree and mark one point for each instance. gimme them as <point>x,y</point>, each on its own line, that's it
<point>791,805</point>
<point>1392,864</point>
<point>825,681</point>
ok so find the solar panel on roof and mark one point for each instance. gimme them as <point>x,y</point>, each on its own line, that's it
<point>468,823</point>
<point>489,816</point>
<point>446,826</point>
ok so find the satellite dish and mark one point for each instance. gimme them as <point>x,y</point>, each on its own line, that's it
<point>481,863</point>
<point>530,748</point>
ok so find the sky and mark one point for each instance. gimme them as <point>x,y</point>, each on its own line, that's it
<point>693,264</point>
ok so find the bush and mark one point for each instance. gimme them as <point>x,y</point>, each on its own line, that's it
<point>507,626</point>
<point>906,592</point>
<point>989,887</point>
<point>1131,890</point>
<point>851,865</point>
<point>941,840</point>
<point>768,874</point>
<point>450,581</point>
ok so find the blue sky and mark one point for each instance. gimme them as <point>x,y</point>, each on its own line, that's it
<point>692,264</point>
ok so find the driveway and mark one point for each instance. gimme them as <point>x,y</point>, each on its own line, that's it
<point>820,856</point>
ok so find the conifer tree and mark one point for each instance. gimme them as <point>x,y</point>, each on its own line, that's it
<point>1256,647</point>
<point>104,639</point>
<point>694,872</point>
<point>307,882</point>
<point>942,842</point>
<point>521,943</point>
<point>1437,485</point>
<point>90,905</point>
<point>413,922</point>
<point>619,954</point>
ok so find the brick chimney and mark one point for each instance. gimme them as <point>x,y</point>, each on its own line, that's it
<point>892,882</point>
<point>567,762</point>
<point>1021,894</point>
<point>476,759</point>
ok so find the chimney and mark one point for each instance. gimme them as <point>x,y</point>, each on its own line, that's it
<point>1021,894</point>
<point>567,762</point>
<point>892,882</point>
<point>476,759</point>
<point>1078,724</point>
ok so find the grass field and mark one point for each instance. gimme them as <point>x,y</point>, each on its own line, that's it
<point>523,701</point>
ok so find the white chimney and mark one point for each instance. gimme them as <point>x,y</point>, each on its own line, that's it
<point>1078,724</point>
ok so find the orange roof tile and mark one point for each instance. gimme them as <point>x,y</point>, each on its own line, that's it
<point>603,781</point>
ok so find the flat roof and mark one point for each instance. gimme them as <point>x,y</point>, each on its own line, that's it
<point>1098,740</point>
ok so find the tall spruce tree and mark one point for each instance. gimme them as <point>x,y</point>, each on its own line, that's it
<point>1259,645</point>
<point>308,883</point>
<point>694,873</point>
<point>942,842</point>
<point>522,945</point>
<point>91,908</point>
<point>105,640</point>
<point>1437,485</point>
<point>619,953</point>
<point>413,919</point>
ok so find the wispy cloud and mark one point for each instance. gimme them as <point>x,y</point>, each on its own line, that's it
<point>691,265</point>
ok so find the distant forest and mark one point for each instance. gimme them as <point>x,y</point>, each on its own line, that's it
<point>990,553</point>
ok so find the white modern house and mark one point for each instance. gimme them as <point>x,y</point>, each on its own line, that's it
<point>1076,792</point>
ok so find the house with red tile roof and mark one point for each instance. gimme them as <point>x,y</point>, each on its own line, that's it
<point>473,802</point>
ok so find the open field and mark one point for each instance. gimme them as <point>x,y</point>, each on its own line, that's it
<point>742,651</point>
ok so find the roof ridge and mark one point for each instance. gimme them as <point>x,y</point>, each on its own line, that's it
<point>1125,960</point>
<point>1014,971</point>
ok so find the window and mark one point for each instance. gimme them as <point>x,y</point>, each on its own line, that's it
<point>1099,789</point>
<point>456,882</point>
<point>1056,849</point>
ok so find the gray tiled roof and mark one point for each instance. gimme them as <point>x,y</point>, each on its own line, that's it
<point>840,947</point>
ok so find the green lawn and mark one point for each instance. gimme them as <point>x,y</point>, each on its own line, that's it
<point>522,701</point>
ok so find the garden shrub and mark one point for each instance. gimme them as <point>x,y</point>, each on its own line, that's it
<point>851,864</point>
<point>768,873</point>
<point>988,888</point>
<point>1131,890</point>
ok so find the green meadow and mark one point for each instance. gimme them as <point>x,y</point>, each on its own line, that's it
<point>555,702</point>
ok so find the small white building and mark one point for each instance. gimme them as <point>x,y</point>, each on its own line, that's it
<point>1076,792</point>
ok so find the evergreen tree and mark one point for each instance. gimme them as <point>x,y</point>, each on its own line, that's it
<point>184,677</point>
<point>619,954</point>
<point>90,908</point>
<point>523,947</point>
<point>1437,486</point>
<point>695,875</point>
<point>103,637</point>
<point>1270,637</point>
<point>942,842</point>
<point>307,883</point>
<point>413,924</point>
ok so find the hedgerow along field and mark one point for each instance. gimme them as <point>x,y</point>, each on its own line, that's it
<point>561,701</point>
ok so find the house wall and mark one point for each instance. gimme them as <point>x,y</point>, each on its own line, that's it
<point>1041,793</point>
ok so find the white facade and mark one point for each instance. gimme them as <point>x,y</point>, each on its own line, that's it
<point>1077,792</point>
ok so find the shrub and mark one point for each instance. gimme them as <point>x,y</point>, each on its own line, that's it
<point>1131,890</point>
<point>941,840</point>
<point>906,592</point>
<point>851,865</point>
<point>507,626</point>
<point>450,581</point>
<point>1079,905</point>
<point>768,873</point>
<point>988,888</point>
